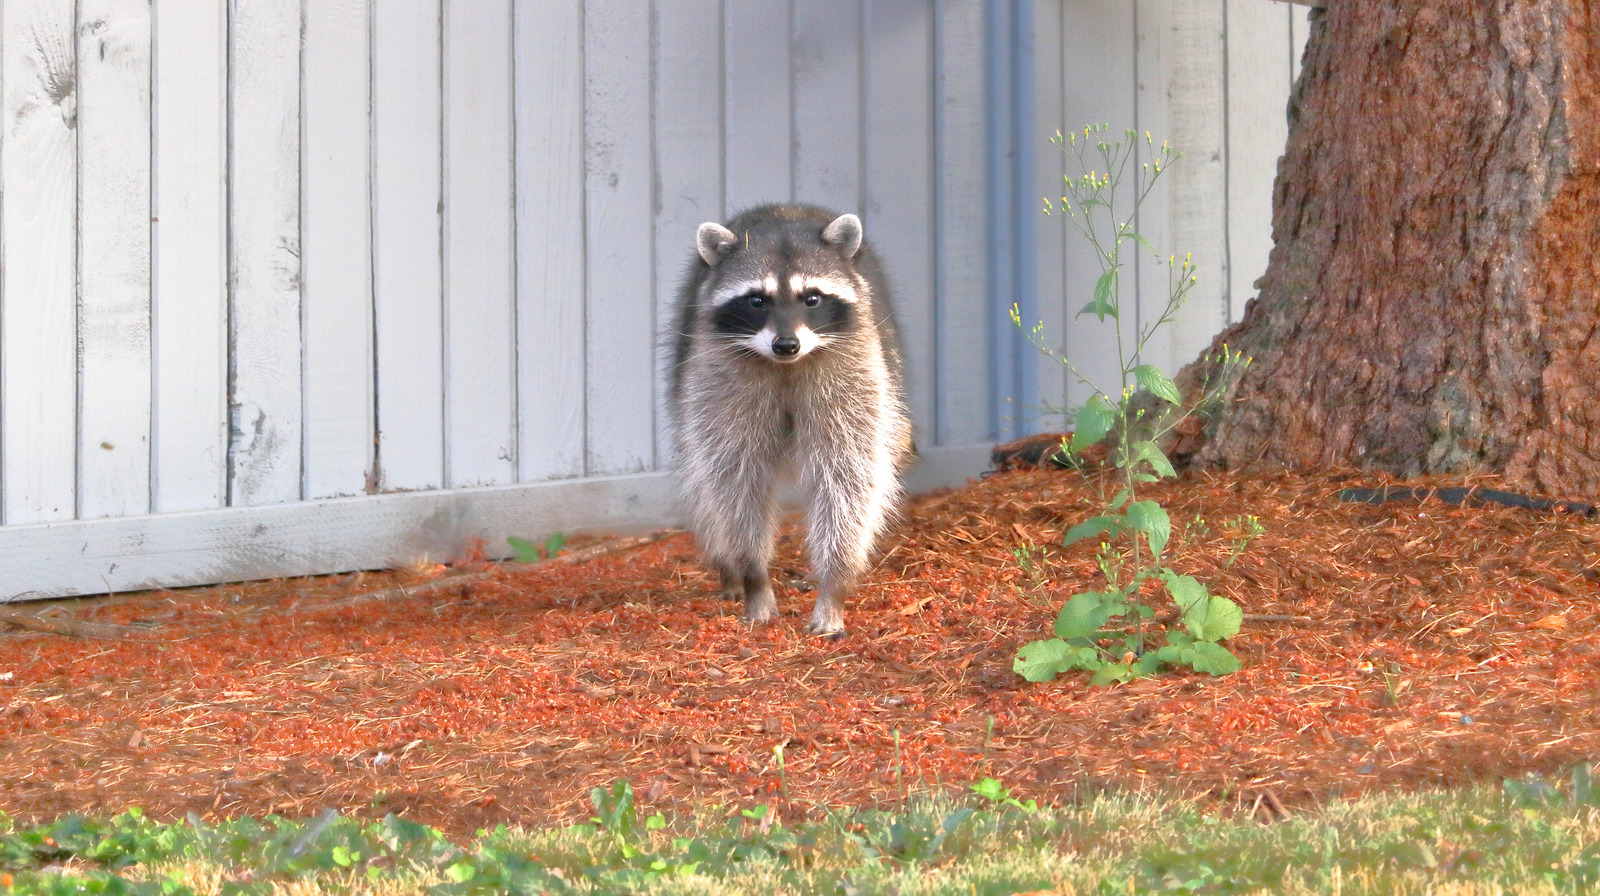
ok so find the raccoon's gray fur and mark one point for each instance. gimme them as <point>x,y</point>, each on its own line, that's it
<point>785,361</point>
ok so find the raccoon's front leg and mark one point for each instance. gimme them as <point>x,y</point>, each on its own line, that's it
<point>753,585</point>
<point>848,506</point>
<point>729,475</point>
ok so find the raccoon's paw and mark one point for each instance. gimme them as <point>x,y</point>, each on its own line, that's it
<point>826,622</point>
<point>812,628</point>
<point>759,608</point>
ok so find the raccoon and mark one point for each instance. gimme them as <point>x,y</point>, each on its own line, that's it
<point>785,362</point>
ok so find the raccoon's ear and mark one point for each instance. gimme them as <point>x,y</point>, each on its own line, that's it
<point>844,232</point>
<point>714,241</point>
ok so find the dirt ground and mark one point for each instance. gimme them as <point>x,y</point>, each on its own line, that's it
<point>1399,645</point>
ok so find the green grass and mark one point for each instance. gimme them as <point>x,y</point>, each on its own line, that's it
<point>1528,837</point>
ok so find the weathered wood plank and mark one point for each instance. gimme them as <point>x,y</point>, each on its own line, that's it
<point>1101,90</point>
<point>314,537</point>
<point>965,315</point>
<point>688,113</point>
<point>264,226</point>
<point>340,534</point>
<point>551,377</point>
<point>758,103</point>
<point>621,313</point>
<point>190,256</point>
<point>479,262</point>
<point>1260,69</point>
<point>827,93</point>
<point>114,253</point>
<point>336,240</point>
<point>898,213</point>
<point>1197,109</point>
<point>407,261</point>
<point>38,357</point>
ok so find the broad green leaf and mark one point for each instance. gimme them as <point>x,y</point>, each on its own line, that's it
<point>1186,591</point>
<point>1150,454</point>
<point>1098,309</point>
<point>1092,422</point>
<point>1102,307</point>
<point>1148,517</point>
<point>522,550</point>
<point>1084,614</point>
<point>1112,673</point>
<point>1222,620</point>
<point>1091,527</point>
<point>1214,659</point>
<point>1152,380</point>
<point>1104,286</point>
<point>1044,660</point>
<point>554,544</point>
<point>1147,665</point>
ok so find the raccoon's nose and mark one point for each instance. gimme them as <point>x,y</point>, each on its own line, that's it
<point>786,346</point>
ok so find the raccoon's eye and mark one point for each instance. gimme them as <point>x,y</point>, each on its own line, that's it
<point>755,300</point>
<point>812,298</point>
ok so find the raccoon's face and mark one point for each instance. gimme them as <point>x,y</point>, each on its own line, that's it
<point>782,295</point>
<point>783,319</point>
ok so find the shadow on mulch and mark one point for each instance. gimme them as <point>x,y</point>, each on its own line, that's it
<point>1398,645</point>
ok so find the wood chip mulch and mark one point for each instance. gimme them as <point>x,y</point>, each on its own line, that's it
<point>1398,645</point>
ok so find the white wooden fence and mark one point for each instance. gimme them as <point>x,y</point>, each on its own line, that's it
<point>297,286</point>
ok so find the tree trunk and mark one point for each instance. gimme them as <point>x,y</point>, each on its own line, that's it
<point>1432,302</point>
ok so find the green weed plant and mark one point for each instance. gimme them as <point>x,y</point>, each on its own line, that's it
<point>1111,633</point>
<point>1532,835</point>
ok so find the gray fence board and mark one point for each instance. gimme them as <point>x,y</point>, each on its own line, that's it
<point>479,245</point>
<point>38,255</point>
<point>551,254</point>
<point>336,226</point>
<point>190,257</point>
<point>407,252</point>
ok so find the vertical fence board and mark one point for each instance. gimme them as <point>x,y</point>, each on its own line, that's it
<point>38,248</point>
<point>1259,78</point>
<point>336,239</point>
<point>965,316</point>
<point>827,96</point>
<point>899,178</point>
<point>1197,110</point>
<point>264,224</point>
<point>1099,44</point>
<point>621,314</point>
<point>190,256</point>
<point>407,265</point>
<point>1154,57</point>
<point>1055,27</point>
<point>551,390</point>
<point>479,263</point>
<point>688,112</point>
<point>758,103</point>
<point>114,258</point>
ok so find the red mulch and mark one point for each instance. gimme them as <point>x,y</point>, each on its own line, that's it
<point>1393,646</point>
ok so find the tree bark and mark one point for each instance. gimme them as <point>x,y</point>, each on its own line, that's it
<point>1432,301</point>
